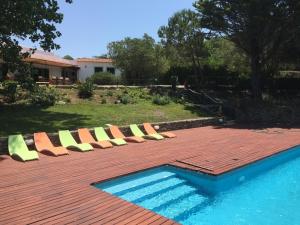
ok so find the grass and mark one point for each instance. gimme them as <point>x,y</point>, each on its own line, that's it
<point>28,119</point>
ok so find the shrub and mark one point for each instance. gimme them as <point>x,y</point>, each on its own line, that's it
<point>110,93</point>
<point>10,90</point>
<point>125,91</point>
<point>268,112</point>
<point>144,94</point>
<point>28,83</point>
<point>161,100</point>
<point>86,90</point>
<point>137,94</point>
<point>44,96</point>
<point>103,101</point>
<point>104,78</point>
<point>126,99</point>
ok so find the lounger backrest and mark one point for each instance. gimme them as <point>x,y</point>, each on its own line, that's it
<point>149,129</point>
<point>101,135</point>
<point>116,133</point>
<point>42,141</point>
<point>85,136</point>
<point>66,138</point>
<point>16,144</point>
<point>136,130</point>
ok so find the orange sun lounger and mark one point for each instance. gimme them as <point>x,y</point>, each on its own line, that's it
<point>44,145</point>
<point>150,130</point>
<point>86,137</point>
<point>117,133</point>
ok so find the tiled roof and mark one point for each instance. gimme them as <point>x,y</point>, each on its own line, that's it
<point>49,58</point>
<point>95,60</point>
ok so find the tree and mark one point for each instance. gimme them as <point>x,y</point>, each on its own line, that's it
<point>224,53</point>
<point>68,57</point>
<point>140,59</point>
<point>103,56</point>
<point>184,35</point>
<point>27,19</point>
<point>290,55</point>
<point>260,28</point>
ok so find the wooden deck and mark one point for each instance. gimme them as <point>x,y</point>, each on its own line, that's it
<point>58,191</point>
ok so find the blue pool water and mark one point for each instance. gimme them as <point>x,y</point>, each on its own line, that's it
<point>265,192</point>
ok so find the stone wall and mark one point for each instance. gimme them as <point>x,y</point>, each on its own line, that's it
<point>163,126</point>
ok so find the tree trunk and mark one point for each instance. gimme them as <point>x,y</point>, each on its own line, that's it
<point>174,83</point>
<point>196,72</point>
<point>200,73</point>
<point>256,78</point>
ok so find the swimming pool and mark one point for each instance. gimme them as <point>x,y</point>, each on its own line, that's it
<point>264,192</point>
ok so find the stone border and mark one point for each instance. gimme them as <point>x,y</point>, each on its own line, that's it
<point>163,126</point>
<point>103,87</point>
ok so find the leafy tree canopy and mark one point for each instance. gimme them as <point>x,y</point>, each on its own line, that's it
<point>260,28</point>
<point>27,19</point>
<point>103,56</point>
<point>224,53</point>
<point>290,55</point>
<point>68,57</point>
<point>183,37</point>
<point>140,59</point>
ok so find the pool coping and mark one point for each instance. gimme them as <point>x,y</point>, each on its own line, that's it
<point>195,168</point>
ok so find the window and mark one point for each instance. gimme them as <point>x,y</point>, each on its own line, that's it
<point>111,70</point>
<point>69,73</point>
<point>98,69</point>
<point>40,74</point>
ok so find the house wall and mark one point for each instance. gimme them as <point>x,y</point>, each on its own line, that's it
<point>87,69</point>
<point>54,71</point>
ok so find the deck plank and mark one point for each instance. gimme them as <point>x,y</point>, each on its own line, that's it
<point>57,190</point>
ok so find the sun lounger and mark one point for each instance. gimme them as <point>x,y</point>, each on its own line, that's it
<point>44,145</point>
<point>117,133</point>
<point>150,130</point>
<point>86,137</point>
<point>137,132</point>
<point>67,141</point>
<point>101,135</point>
<point>18,149</point>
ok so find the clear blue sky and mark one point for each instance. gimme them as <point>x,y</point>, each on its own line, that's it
<point>89,25</point>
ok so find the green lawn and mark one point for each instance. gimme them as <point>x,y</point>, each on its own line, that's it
<point>28,119</point>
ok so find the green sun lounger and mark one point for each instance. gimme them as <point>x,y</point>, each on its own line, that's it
<point>18,148</point>
<point>101,135</point>
<point>137,132</point>
<point>67,141</point>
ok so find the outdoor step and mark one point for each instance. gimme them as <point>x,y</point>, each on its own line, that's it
<point>152,190</point>
<point>188,212</point>
<point>184,206</point>
<point>168,198</point>
<point>152,197</point>
<point>142,186</point>
<point>124,184</point>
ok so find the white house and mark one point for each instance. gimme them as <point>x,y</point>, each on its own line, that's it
<point>47,67</point>
<point>51,68</point>
<point>89,66</point>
